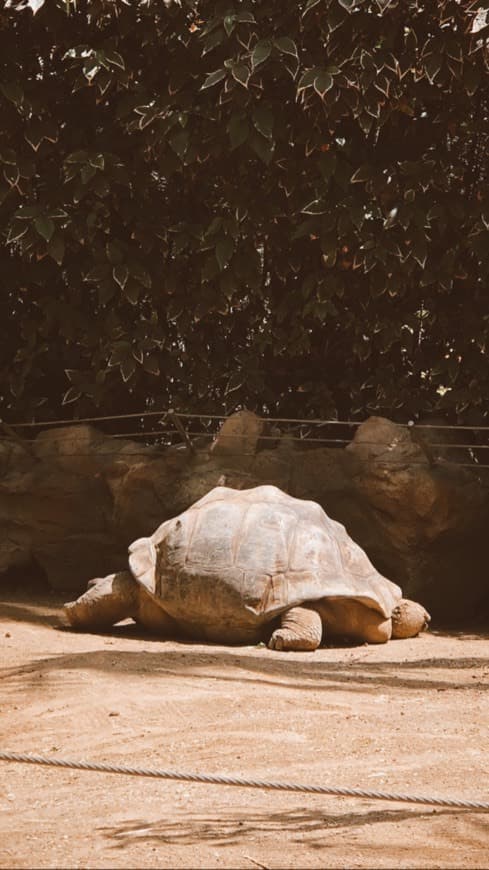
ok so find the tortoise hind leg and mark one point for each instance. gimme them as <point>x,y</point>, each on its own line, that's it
<point>300,629</point>
<point>105,602</point>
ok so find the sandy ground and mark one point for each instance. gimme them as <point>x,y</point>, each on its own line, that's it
<point>409,716</point>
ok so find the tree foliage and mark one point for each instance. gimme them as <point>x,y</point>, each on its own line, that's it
<point>233,201</point>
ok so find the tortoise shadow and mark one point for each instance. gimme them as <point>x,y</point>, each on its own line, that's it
<point>44,612</point>
<point>242,664</point>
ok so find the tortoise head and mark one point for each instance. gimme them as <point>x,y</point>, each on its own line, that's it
<point>409,618</point>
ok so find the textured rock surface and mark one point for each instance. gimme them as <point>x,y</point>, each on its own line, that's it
<point>74,501</point>
<point>239,434</point>
<point>424,523</point>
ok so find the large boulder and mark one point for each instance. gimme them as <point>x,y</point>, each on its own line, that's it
<point>239,434</point>
<point>56,508</point>
<point>425,523</point>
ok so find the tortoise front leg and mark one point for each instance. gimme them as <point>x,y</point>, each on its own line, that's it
<point>106,602</point>
<point>301,629</point>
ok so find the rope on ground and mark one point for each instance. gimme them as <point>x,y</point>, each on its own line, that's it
<point>213,779</point>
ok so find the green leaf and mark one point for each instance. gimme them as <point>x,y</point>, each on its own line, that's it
<point>238,129</point>
<point>45,227</point>
<point>291,64</point>
<point>77,157</point>
<point>127,368</point>
<point>56,248</point>
<point>214,39</point>
<point>151,365</point>
<point>16,232</point>
<point>263,147</point>
<point>471,79</point>
<point>9,156</point>
<point>432,65</point>
<point>106,291</point>
<point>323,83</point>
<point>98,273</point>
<point>214,226</point>
<point>141,275</point>
<point>224,251</point>
<point>14,92</point>
<point>36,5</point>
<point>263,120</point>
<point>97,161</point>
<point>120,274</point>
<point>87,173</point>
<point>210,268</point>
<point>132,291</point>
<point>286,45</point>
<point>391,219</point>
<point>228,284</point>
<point>58,214</point>
<point>368,245</point>
<point>241,73</point>
<point>362,174</point>
<point>420,252</point>
<point>120,352</point>
<point>34,135</point>
<point>329,247</point>
<point>305,228</point>
<point>179,142</point>
<point>75,377</point>
<point>114,58</point>
<point>246,18</point>
<point>27,212</point>
<point>11,175</point>
<point>72,395</point>
<point>315,207</point>
<point>307,79</point>
<point>261,52</point>
<point>310,5</point>
<point>229,24</point>
<point>214,78</point>
<point>236,381</point>
<point>114,253</point>
<point>327,162</point>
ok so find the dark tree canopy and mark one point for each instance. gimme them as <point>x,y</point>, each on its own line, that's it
<point>283,205</point>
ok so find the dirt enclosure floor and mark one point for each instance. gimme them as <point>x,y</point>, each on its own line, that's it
<point>411,716</point>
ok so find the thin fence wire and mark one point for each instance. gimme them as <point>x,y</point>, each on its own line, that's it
<point>178,431</point>
<point>68,438</point>
<point>387,464</point>
<point>193,416</point>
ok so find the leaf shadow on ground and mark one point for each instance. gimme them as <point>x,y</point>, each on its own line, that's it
<point>261,667</point>
<point>229,829</point>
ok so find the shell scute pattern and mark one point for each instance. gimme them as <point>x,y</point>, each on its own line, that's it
<point>251,554</point>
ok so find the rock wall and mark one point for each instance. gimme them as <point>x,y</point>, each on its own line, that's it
<point>73,500</point>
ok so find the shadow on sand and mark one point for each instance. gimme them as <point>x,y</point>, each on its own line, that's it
<point>221,829</point>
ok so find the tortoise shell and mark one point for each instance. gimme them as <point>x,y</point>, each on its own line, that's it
<point>237,559</point>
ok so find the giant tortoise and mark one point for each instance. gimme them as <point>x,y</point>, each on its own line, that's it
<point>243,566</point>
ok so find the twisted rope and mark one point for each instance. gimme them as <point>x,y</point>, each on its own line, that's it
<point>214,779</point>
